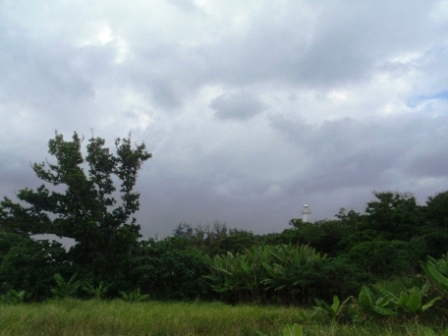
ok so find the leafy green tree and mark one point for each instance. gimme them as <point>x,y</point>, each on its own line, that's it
<point>436,211</point>
<point>435,230</point>
<point>323,235</point>
<point>387,239</point>
<point>436,239</point>
<point>382,257</point>
<point>82,205</point>
<point>395,214</point>
<point>169,269</point>
<point>29,265</point>
<point>216,238</point>
<point>184,230</point>
<point>237,241</point>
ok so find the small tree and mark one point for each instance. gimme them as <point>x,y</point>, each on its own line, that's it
<point>86,209</point>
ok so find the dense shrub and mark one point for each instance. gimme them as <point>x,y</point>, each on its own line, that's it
<point>288,274</point>
<point>30,265</point>
<point>169,269</point>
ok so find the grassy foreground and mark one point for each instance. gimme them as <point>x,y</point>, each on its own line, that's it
<point>75,317</point>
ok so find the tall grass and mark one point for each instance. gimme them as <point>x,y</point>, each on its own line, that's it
<point>75,317</point>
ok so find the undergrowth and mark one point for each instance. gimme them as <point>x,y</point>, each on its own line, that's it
<point>118,317</point>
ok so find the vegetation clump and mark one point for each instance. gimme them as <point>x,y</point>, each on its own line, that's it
<point>388,264</point>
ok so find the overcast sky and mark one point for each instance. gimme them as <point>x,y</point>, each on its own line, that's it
<point>250,108</point>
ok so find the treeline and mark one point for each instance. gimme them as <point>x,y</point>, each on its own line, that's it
<point>307,261</point>
<point>302,263</point>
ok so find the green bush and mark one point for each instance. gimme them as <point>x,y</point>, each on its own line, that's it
<point>169,269</point>
<point>65,289</point>
<point>29,265</point>
<point>13,297</point>
<point>135,296</point>
<point>285,274</point>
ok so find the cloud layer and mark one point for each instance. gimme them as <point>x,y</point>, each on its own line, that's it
<point>250,109</point>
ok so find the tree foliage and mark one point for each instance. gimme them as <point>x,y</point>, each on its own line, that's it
<point>27,264</point>
<point>82,204</point>
<point>169,269</point>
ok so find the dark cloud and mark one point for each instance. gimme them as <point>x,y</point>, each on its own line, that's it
<point>352,154</point>
<point>337,164</point>
<point>241,105</point>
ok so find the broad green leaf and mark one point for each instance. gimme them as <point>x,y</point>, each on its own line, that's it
<point>426,287</point>
<point>365,296</point>
<point>336,303</point>
<point>293,330</point>
<point>382,301</point>
<point>402,300</point>
<point>440,280</point>
<point>414,301</point>
<point>430,303</point>
<point>383,311</point>
<point>388,295</point>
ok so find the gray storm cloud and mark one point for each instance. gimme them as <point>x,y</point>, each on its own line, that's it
<point>241,105</point>
<point>251,109</point>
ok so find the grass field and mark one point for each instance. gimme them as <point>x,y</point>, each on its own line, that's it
<point>75,317</point>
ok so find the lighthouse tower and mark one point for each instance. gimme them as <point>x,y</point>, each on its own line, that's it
<point>306,213</point>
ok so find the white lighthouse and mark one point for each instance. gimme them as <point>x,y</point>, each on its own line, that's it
<point>306,213</point>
